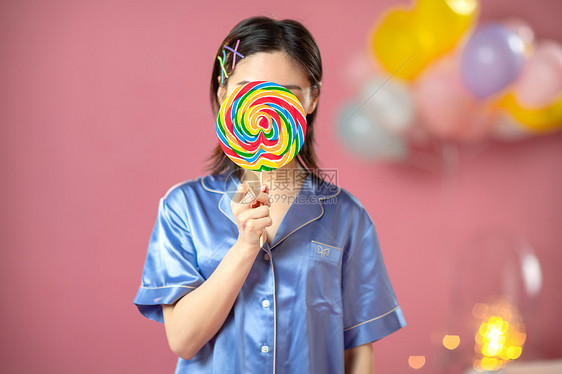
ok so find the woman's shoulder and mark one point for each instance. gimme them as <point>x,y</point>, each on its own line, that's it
<point>350,200</point>
<point>337,194</point>
<point>340,198</point>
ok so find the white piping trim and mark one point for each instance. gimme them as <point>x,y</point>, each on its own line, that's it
<point>301,226</point>
<point>362,323</point>
<point>208,189</point>
<point>306,223</point>
<point>220,202</point>
<point>326,245</point>
<point>155,288</point>
<point>274,310</point>
<point>334,195</point>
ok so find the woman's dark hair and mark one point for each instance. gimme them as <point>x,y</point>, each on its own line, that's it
<point>264,34</point>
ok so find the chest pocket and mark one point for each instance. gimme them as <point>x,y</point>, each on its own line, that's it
<point>324,278</point>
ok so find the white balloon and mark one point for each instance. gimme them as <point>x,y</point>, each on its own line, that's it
<point>364,137</point>
<point>390,101</point>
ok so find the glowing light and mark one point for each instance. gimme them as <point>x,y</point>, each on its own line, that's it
<point>416,362</point>
<point>451,341</point>
<point>489,363</point>
<point>500,336</point>
<point>513,352</point>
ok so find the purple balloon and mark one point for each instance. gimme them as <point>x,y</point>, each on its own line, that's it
<point>492,59</point>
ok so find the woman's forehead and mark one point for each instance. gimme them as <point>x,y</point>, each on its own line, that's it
<point>275,67</point>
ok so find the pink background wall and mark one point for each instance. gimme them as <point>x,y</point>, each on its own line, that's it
<point>94,131</point>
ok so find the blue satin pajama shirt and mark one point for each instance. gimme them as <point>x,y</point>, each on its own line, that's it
<point>321,287</point>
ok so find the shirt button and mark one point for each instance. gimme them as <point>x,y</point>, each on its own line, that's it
<point>265,303</point>
<point>264,349</point>
<point>266,257</point>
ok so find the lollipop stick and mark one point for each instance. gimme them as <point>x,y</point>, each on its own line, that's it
<point>262,235</point>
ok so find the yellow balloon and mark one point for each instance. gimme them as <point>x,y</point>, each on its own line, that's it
<point>546,119</point>
<point>406,41</point>
<point>449,20</point>
<point>400,47</point>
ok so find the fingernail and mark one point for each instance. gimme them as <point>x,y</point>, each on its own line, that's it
<point>263,187</point>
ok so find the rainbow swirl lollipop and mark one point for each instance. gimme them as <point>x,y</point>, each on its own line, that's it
<point>261,126</point>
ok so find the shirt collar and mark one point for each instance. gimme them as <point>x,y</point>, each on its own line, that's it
<point>305,209</point>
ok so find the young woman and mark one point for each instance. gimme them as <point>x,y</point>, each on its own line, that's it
<point>316,294</point>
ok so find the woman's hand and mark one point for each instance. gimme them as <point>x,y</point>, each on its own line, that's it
<point>252,215</point>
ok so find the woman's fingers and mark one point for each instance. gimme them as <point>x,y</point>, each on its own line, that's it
<point>254,213</point>
<point>253,219</point>
<point>262,199</point>
<point>264,222</point>
<point>245,195</point>
<point>251,213</point>
<point>257,224</point>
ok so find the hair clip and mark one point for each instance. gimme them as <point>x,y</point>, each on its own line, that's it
<point>223,71</point>
<point>235,52</point>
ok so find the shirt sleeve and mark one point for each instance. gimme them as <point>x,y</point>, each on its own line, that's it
<point>370,308</point>
<point>170,270</point>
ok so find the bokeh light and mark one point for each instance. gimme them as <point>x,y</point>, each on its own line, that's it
<point>416,362</point>
<point>500,336</point>
<point>451,341</point>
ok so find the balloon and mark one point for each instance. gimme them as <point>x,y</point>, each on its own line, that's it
<point>449,20</point>
<point>492,59</point>
<point>391,102</point>
<point>543,120</point>
<point>541,80</point>
<point>366,138</point>
<point>525,32</point>
<point>446,108</point>
<point>399,45</point>
<point>406,41</point>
